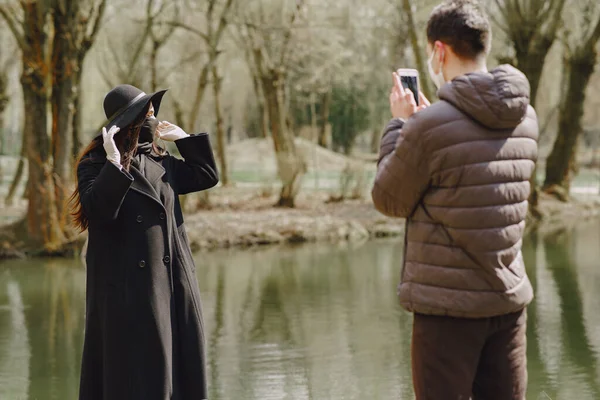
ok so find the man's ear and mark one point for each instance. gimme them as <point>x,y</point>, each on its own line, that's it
<point>440,49</point>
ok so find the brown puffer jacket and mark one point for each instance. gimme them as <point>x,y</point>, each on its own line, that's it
<point>459,172</point>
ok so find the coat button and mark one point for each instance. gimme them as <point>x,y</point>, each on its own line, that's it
<point>142,263</point>
<point>162,216</point>
<point>139,218</point>
<point>167,259</point>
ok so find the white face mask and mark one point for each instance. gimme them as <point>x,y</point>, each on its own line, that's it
<point>438,79</point>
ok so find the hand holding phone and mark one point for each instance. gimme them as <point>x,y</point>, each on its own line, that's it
<point>409,79</point>
<point>403,102</point>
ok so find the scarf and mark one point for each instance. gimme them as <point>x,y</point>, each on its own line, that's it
<point>144,148</point>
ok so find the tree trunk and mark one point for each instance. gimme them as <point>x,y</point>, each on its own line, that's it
<point>18,174</point>
<point>221,140</point>
<point>200,90</point>
<point>76,119</point>
<point>324,136</point>
<point>531,63</point>
<point>1,138</point>
<point>3,105</point>
<point>290,166</point>
<point>530,59</point>
<point>153,66</point>
<point>424,82</point>
<point>179,118</point>
<point>562,160</point>
<point>42,221</point>
<point>314,125</point>
<point>264,119</point>
<point>64,63</point>
<point>43,226</point>
<point>375,140</point>
<point>262,110</point>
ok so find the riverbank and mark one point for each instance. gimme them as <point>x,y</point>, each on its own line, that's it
<point>254,222</point>
<point>243,217</point>
<point>560,216</point>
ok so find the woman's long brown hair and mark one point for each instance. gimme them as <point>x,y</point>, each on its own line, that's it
<point>126,140</point>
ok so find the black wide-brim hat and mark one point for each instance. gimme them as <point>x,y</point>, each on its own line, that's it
<point>124,103</point>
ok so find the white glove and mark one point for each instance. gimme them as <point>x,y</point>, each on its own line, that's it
<point>112,153</point>
<point>170,132</point>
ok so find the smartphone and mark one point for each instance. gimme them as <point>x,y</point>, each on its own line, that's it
<point>409,78</point>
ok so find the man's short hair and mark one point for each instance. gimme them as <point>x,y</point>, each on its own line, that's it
<point>462,25</point>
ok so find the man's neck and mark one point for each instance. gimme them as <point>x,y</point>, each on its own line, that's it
<point>465,67</point>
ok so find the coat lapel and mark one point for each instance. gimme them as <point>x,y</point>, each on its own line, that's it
<point>153,170</point>
<point>145,173</point>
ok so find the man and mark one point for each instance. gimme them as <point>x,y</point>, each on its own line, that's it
<point>459,172</point>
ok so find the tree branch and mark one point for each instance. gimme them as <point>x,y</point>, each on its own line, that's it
<point>174,68</point>
<point>115,59</point>
<point>545,9</point>
<point>12,25</point>
<point>163,39</point>
<point>89,38</point>
<point>556,18</point>
<point>503,11</point>
<point>138,51</point>
<point>211,9</point>
<point>177,24</point>
<point>222,21</point>
<point>595,36</point>
<point>104,76</point>
<point>288,33</point>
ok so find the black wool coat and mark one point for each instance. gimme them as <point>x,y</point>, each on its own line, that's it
<point>144,335</point>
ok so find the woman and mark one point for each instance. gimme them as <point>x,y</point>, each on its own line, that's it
<point>144,333</point>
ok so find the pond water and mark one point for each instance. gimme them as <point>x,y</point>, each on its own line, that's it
<point>312,322</point>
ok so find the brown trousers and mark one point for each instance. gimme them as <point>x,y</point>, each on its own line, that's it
<point>462,359</point>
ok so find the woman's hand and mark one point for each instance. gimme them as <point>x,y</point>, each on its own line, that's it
<point>170,132</point>
<point>112,152</point>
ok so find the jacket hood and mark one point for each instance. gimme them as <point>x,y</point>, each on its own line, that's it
<point>497,99</point>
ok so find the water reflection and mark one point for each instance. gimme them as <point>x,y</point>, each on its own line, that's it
<point>14,346</point>
<point>313,322</point>
<point>40,350</point>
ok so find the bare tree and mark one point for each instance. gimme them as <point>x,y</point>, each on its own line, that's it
<point>260,98</point>
<point>157,39</point>
<point>221,139</point>
<point>216,14</point>
<point>580,60</point>
<point>532,27</point>
<point>53,38</point>
<point>124,63</point>
<point>271,59</point>
<point>125,66</point>
<point>32,35</point>
<point>75,26</point>
<point>319,67</point>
